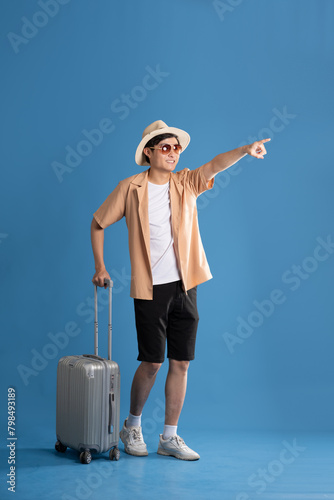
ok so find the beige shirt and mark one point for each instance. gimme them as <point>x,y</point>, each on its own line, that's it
<point>130,200</point>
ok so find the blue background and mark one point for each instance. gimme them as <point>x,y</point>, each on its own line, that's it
<point>227,78</point>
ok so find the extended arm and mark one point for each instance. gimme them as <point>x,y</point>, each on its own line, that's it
<point>226,160</point>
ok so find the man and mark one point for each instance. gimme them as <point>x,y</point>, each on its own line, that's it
<point>167,264</point>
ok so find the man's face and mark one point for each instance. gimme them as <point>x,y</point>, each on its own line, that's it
<point>159,161</point>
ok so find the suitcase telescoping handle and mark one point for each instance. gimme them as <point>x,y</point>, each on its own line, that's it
<point>109,284</point>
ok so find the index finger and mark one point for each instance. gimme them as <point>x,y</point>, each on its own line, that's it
<point>265,140</point>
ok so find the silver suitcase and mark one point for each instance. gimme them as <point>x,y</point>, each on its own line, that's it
<point>88,400</point>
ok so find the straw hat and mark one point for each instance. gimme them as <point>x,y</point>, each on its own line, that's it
<point>157,128</point>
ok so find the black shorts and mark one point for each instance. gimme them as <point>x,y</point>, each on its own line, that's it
<point>171,315</point>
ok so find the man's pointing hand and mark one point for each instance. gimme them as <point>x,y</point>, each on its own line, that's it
<point>256,149</point>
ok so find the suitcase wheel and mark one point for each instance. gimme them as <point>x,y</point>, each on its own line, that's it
<point>85,457</point>
<point>114,453</point>
<point>60,447</point>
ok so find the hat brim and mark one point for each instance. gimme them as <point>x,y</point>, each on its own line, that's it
<point>184,139</point>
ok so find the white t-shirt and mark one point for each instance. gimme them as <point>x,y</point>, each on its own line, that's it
<point>163,260</point>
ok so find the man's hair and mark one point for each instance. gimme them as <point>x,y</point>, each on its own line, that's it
<point>155,140</point>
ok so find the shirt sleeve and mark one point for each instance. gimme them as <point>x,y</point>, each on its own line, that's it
<point>197,181</point>
<point>113,208</point>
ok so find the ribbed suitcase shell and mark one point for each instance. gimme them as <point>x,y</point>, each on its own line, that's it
<point>88,403</point>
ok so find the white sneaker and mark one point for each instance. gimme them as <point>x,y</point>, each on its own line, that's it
<point>132,438</point>
<point>176,447</point>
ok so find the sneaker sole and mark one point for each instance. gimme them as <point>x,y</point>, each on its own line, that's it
<point>161,451</point>
<point>133,452</point>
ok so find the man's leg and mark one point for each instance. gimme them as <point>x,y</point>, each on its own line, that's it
<point>142,384</point>
<point>181,337</point>
<point>131,433</point>
<point>170,443</point>
<point>151,323</point>
<point>175,390</point>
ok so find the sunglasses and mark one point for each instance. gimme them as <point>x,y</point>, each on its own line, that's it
<point>167,148</point>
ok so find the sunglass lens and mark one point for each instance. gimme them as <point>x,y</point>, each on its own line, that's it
<point>166,148</point>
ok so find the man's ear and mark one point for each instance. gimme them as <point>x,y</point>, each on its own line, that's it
<point>147,152</point>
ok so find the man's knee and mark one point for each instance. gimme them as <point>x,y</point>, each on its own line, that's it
<point>178,366</point>
<point>151,369</point>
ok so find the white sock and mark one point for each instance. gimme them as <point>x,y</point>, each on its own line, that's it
<point>133,420</point>
<point>169,431</point>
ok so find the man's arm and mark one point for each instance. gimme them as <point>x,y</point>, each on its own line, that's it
<point>97,238</point>
<point>225,160</point>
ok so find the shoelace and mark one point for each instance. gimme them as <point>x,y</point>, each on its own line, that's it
<point>179,441</point>
<point>137,436</point>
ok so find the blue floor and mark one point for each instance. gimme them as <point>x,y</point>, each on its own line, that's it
<point>233,466</point>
